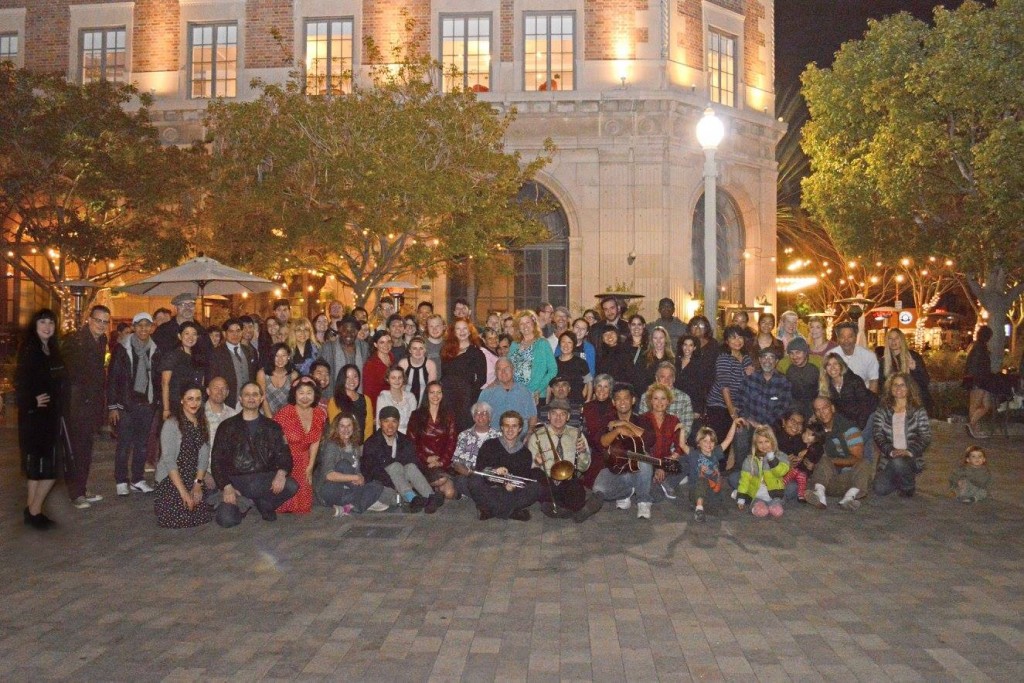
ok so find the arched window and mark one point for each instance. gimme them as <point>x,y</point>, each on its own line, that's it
<point>542,270</point>
<point>731,238</point>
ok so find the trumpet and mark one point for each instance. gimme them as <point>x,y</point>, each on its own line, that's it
<point>491,475</point>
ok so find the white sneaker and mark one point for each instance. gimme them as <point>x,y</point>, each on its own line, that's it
<point>81,503</point>
<point>142,487</point>
<point>91,497</point>
<point>669,493</point>
<point>643,510</point>
<point>122,490</point>
<point>378,507</point>
<point>624,504</point>
<point>734,494</point>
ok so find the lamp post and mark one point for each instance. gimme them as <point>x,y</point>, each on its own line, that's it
<point>79,289</point>
<point>710,132</point>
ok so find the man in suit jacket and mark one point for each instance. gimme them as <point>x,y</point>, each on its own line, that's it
<point>233,361</point>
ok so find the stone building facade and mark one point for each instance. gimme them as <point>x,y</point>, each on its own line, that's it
<point>618,85</point>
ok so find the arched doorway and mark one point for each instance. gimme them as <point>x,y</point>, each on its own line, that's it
<point>731,239</point>
<point>539,272</point>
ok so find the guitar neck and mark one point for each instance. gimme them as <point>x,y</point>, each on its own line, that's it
<point>641,457</point>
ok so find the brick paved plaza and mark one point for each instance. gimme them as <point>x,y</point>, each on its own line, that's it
<point>922,589</point>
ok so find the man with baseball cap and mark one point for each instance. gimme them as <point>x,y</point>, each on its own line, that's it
<point>132,396</point>
<point>803,371</point>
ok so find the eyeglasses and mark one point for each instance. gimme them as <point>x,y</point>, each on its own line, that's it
<point>100,321</point>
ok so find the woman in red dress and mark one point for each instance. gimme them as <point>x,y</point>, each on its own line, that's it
<point>375,371</point>
<point>302,422</point>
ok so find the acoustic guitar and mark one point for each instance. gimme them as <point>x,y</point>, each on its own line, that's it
<point>627,452</point>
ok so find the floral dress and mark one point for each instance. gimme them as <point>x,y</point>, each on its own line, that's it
<point>522,363</point>
<point>299,441</point>
<point>170,509</point>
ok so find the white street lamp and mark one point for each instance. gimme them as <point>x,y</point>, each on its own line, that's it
<point>710,132</point>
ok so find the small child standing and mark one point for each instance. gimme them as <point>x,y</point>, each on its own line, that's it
<point>761,476</point>
<point>803,463</point>
<point>704,473</point>
<point>970,481</point>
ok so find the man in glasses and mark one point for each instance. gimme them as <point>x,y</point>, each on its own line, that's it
<point>87,407</point>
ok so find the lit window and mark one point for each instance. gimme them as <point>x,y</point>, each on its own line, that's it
<point>466,52</point>
<point>103,55</point>
<point>549,52</point>
<point>328,56</point>
<point>9,47</point>
<point>213,63</point>
<point>722,68</point>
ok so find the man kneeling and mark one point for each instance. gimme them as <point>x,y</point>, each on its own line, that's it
<point>251,460</point>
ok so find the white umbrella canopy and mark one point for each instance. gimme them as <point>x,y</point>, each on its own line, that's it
<point>203,275</point>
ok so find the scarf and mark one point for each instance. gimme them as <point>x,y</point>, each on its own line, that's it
<point>143,368</point>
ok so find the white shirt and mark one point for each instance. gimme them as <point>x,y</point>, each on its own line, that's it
<point>864,363</point>
<point>405,407</point>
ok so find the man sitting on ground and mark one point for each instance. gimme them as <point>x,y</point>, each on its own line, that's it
<point>843,470</point>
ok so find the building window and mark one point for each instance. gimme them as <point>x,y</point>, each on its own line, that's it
<point>9,47</point>
<point>103,55</point>
<point>549,52</point>
<point>466,52</point>
<point>731,238</point>
<point>213,62</point>
<point>722,68</point>
<point>542,270</point>
<point>328,56</point>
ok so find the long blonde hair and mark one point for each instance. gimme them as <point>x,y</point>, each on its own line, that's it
<point>899,362</point>
<point>299,324</point>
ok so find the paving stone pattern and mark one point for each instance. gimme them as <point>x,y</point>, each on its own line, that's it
<point>922,589</point>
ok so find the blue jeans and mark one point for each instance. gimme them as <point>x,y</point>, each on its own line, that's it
<point>611,486</point>
<point>897,475</point>
<point>132,437</point>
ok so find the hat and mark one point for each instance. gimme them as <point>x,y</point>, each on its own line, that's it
<point>183,298</point>
<point>768,351</point>
<point>389,412</point>
<point>139,317</point>
<point>559,404</point>
<point>665,301</point>
<point>558,379</point>
<point>798,344</point>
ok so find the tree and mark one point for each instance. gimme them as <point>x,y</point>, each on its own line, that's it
<point>84,181</point>
<point>916,139</point>
<point>393,178</point>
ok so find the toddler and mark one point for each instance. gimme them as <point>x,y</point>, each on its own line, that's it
<point>803,463</point>
<point>704,473</point>
<point>761,476</point>
<point>970,481</point>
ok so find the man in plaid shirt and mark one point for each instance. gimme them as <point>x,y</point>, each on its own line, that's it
<point>765,396</point>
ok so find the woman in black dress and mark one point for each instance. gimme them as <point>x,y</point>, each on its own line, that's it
<point>179,368</point>
<point>465,370</point>
<point>184,461</point>
<point>40,384</point>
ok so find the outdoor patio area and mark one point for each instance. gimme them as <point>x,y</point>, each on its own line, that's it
<point>920,589</point>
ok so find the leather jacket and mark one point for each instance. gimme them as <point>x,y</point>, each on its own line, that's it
<point>235,452</point>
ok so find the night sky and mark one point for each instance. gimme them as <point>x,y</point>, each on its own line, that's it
<point>812,30</point>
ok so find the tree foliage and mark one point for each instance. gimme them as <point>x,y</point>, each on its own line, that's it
<point>392,178</point>
<point>84,180</point>
<point>916,140</point>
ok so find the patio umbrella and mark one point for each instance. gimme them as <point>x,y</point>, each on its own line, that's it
<point>202,275</point>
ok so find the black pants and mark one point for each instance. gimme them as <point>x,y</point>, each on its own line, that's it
<point>256,487</point>
<point>83,421</point>
<point>500,502</point>
<point>133,438</point>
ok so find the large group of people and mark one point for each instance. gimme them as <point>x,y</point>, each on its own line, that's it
<point>366,414</point>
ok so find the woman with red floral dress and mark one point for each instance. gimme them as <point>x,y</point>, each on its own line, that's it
<point>302,422</point>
